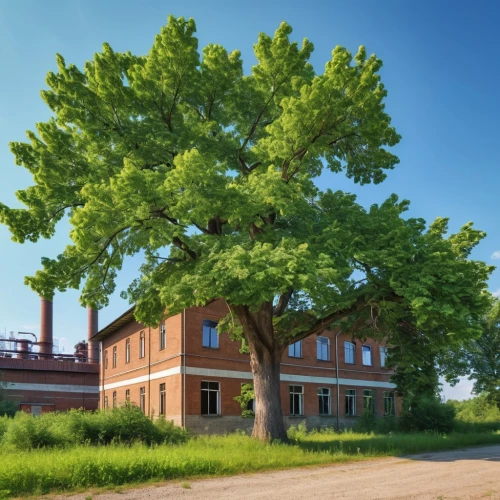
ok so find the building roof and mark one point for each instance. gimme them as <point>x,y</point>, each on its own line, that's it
<point>122,320</point>
<point>52,365</point>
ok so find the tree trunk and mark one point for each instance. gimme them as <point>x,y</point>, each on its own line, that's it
<point>268,424</point>
<point>265,359</point>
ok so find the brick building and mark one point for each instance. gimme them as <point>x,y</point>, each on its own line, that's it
<point>39,380</point>
<point>185,371</point>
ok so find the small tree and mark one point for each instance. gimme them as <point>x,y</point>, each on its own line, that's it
<point>167,153</point>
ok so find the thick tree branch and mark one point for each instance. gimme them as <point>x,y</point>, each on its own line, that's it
<point>283,303</point>
<point>182,246</point>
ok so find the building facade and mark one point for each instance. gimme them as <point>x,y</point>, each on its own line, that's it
<point>38,379</point>
<point>187,372</point>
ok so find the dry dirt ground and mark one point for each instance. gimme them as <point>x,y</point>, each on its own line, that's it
<point>464,474</point>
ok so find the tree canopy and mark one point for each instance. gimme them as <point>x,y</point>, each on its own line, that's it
<point>211,173</point>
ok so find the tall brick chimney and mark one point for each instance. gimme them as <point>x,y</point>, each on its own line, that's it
<point>92,329</point>
<point>46,328</point>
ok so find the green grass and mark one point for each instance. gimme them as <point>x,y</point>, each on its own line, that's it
<point>44,470</point>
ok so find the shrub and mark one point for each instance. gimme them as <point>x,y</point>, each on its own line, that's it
<point>126,424</point>
<point>168,433</point>
<point>8,408</point>
<point>26,432</point>
<point>427,414</point>
<point>367,422</point>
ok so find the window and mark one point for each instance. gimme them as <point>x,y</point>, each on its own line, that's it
<point>162,399</point>
<point>295,349</point>
<point>114,399</point>
<point>368,401</point>
<point>114,357</point>
<point>142,345</point>
<point>106,359</point>
<point>349,352</point>
<point>127,395</point>
<point>127,351</point>
<point>210,337</point>
<point>296,400</point>
<point>389,404</point>
<point>105,401</point>
<point>323,348</point>
<point>367,355</point>
<point>383,357</point>
<point>163,336</point>
<point>324,401</point>
<point>350,402</point>
<point>142,399</point>
<point>210,397</point>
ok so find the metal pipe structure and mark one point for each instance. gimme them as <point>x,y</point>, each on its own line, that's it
<point>92,329</point>
<point>46,327</point>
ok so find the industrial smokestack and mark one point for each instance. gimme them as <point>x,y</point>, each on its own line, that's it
<point>46,328</point>
<point>92,329</point>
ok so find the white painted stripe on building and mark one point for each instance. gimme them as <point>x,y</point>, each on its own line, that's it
<point>21,386</point>
<point>144,378</point>
<point>215,373</point>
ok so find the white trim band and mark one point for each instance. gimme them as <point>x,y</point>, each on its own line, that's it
<point>215,373</point>
<point>21,386</point>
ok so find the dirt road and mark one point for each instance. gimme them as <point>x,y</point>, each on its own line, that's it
<point>463,474</point>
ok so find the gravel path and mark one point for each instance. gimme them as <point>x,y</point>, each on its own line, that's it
<point>465,474</point>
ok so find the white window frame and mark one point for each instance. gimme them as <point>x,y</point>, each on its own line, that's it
<point>350,395</point>
<point>162,406</point>
<point>142,398</point>
<point>326,395</point>
<point>295,349</point>
<point>383,356</point>
<point>163,336</point>
<point>367,350</point>
<point>369,394</point>
<point>348,348</point>
<point>142,344</point>
<point>208,390</point>
<point>296,390</point>
<point>323,348</point>
<point>127,350</point>
<point>389,396</point>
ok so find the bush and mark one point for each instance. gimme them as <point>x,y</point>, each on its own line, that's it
<point>25,432</point>
<point>126,424</point>
<point>366,423</point>
<point>8,408</point>
<point>427,414</point>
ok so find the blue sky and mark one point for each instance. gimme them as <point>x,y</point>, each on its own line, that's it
<point>441,69</point>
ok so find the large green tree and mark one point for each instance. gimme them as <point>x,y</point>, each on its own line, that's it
<point>211,173</point>
<point>479,358</point>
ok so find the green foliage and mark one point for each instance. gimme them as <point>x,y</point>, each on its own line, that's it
<point>367,422</point>
<point>65,470</point>
<point>247,395</point>
<point>177,148</point>
<point>210,174</point>
<point>126,424</point>
<point>476,414</point>
<point>427,414</point>
<point>8,408</point>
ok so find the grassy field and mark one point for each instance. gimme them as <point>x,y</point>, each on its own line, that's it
<point>55,469</point>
